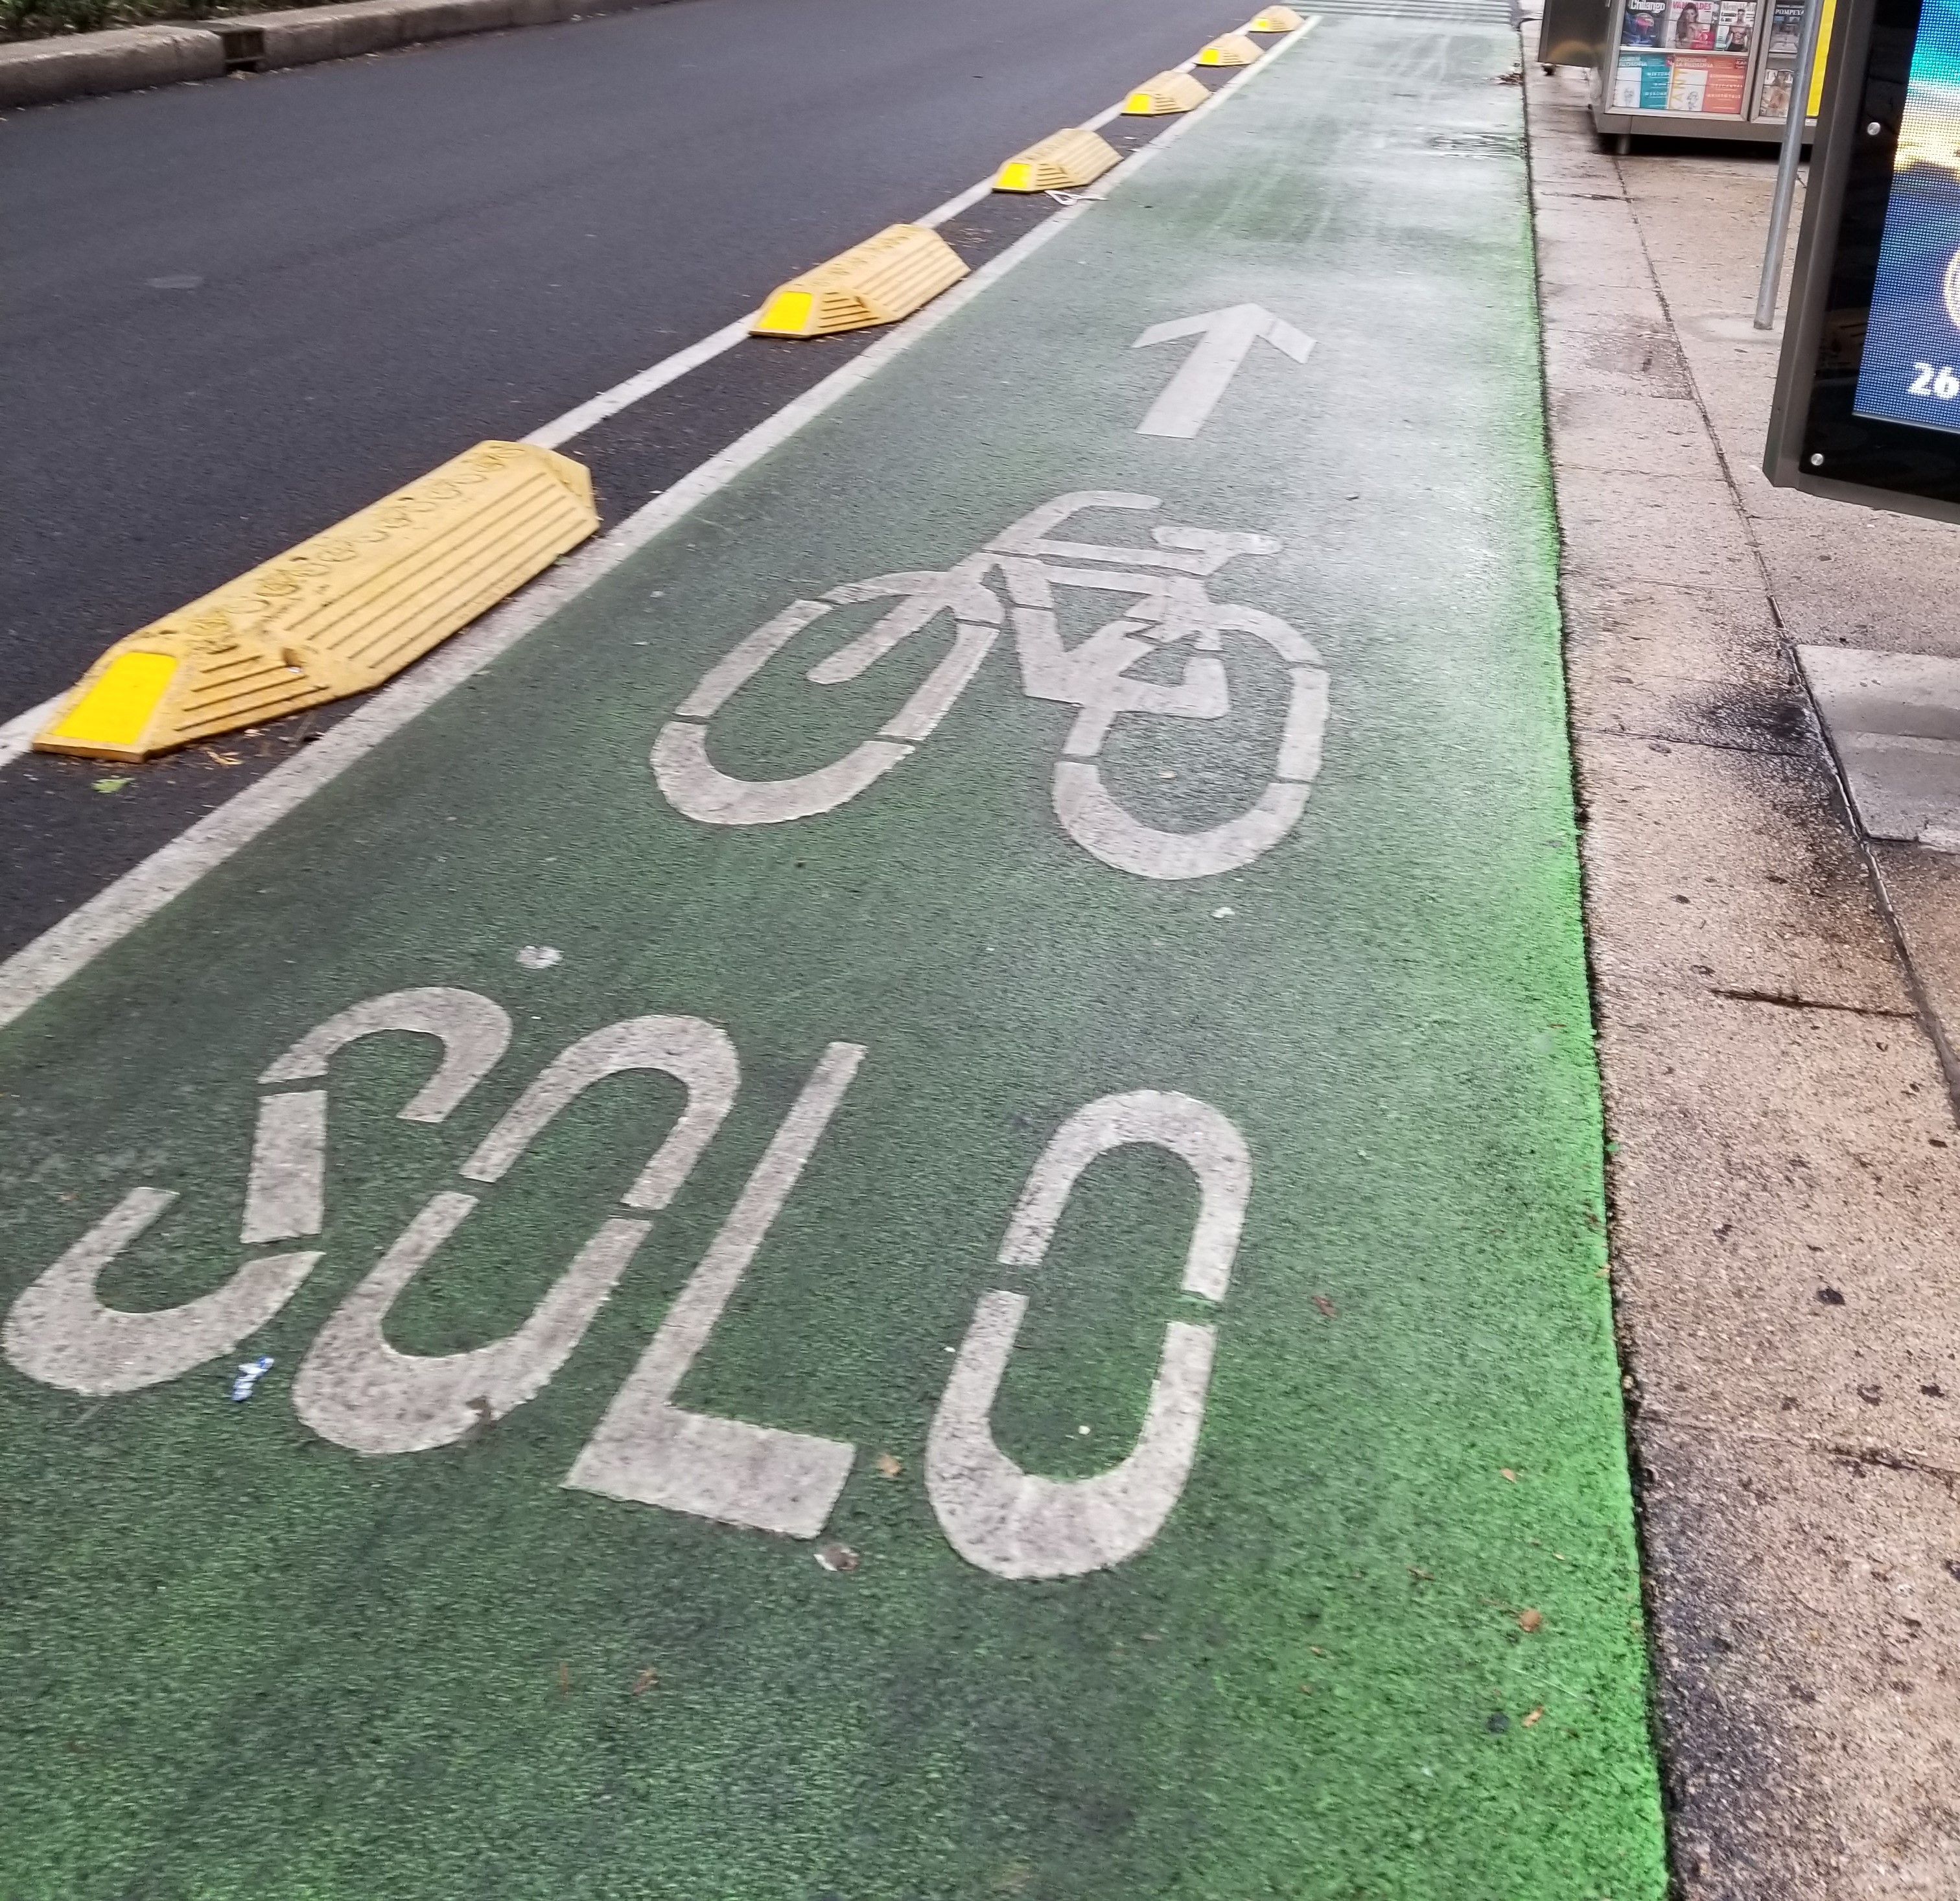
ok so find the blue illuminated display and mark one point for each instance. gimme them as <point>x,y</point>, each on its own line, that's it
<point>1910,372</point>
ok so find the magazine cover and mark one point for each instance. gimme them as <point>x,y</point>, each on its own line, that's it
<point>1691,25</point>
<point>1705,86</point>
<point>1724,93</point>
<point>1734,20</point>
<point>1786,28</point>
<point>1641,85</point>
<point>1643,23</point>
<point>1772,95</point>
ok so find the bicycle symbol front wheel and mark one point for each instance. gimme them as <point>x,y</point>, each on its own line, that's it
<point>1092,816</point>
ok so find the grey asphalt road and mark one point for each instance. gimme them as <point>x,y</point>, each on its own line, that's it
<point>232,312</point>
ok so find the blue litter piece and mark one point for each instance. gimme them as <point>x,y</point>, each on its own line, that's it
<point>250,1372</point>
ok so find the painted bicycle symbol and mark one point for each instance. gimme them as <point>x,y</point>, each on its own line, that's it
<point>1171,610</point>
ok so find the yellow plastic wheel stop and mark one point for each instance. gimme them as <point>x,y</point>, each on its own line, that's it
<point>884,278</point>
<point>1168,92</point>
<point>337,615</point>
<point>1060,162</point>
<point>1229,49</point>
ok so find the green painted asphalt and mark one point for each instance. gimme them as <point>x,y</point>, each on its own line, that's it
<point>1387,1643</point>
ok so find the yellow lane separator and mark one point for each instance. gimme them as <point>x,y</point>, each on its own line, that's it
<point>337,615</point>
<point>878,282</point>
<point>1274,20</point>
<point>1229,49</point>
<point>1168,92</point>
<point>1059,162</point>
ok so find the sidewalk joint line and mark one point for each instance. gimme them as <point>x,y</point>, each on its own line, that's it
<point>1789,1000</point>
<point>1676,739</point>
<point>1895,1459</point>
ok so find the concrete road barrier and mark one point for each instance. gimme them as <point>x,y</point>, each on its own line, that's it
<point>340,613</point>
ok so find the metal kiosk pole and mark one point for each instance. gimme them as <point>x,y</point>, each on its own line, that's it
<point>1786,178</point>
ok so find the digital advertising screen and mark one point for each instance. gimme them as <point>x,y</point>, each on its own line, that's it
<point>1910,370</point>
<point>1867,404</point>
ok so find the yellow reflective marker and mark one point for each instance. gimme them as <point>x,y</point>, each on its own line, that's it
<point>878,282</point>
<point>1059,162</point>
<point>1229,49</point>
<point>116,706</point>
<point>1168,92</point>
<point>787,312</point>
<point>338,614</point>
<point>1274,20</point>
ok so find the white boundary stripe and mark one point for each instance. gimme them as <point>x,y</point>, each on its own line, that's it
<point>669,369</point>
<point>623,396</point>
<point>18,734</point>
<point>82,936</point>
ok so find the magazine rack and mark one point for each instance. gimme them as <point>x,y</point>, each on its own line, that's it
<point>1690,69</point>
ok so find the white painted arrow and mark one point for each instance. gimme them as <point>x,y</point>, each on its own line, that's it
<point>1224,336</point>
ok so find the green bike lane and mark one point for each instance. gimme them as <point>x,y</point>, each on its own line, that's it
<point>886,1311</point>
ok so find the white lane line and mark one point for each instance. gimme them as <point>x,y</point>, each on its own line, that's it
<point>1108,112</point>
<point>623,396</point>
<point>669,369</point>
<point>656,376</point>
<point>17,736</point>
<point>31,973</point>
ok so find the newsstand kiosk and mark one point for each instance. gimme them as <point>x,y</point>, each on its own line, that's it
<point>1685,68</point>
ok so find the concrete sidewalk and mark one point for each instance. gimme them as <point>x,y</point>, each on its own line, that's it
<point>1771,989</point>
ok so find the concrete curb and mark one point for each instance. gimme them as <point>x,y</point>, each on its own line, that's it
<point>40,72</point>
